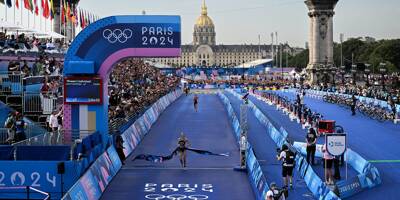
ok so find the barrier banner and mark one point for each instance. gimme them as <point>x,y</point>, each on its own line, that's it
<point>41,175</point>
<point>313,182</point>
<point>93,183</point>
<point>349,187</point>
<point>134,134</point>
<point>256,176</point>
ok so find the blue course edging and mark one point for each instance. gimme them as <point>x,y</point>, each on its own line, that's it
<point>279,136</point>
<point>95,180</point>
<point>257,178</point>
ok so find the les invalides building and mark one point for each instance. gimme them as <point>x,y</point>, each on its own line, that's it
<point>205,52</point>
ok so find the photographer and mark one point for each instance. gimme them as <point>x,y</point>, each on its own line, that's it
<point>288,158</point>
<point>274,193</point>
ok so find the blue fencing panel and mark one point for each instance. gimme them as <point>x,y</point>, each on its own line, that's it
<point>43,153</point>
<point>6,152</point>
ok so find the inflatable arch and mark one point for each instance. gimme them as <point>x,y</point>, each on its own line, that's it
<point>93,54</point>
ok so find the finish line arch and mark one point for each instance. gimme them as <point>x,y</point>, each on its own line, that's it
<point>95,51</point>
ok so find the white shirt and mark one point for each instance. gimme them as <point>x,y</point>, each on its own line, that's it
<point>270,193</point>
<point>243,143</point>
<point>53,121</point>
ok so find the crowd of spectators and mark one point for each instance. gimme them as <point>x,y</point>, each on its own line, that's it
<point>13,44</point>
<point>135,85</point>
<point>42,66</point>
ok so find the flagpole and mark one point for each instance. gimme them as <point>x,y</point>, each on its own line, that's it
<point>14,13</point>
<point>5,8</point>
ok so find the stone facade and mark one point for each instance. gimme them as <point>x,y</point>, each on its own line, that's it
<point>204,52</point>
<point>321,65</point>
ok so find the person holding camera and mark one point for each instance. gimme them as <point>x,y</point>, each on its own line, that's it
<point>288,158</point>
<point>274,193</point>
<point>311,139</point>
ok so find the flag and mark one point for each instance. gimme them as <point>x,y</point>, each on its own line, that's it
<point>68,11</point>
<point>46,8</point>
<point>36,8</point>
<point>31,5</point>
<point>17,3</point>
<point>51,10</point>
<point>9,3</point>
<point>62,14</point>
<point>27,5</point>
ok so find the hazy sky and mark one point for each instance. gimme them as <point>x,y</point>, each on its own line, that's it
<point>241,21</point>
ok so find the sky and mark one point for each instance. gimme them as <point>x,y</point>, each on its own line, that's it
<point>241,21</point>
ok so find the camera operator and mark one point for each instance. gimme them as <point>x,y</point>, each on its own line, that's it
<point>353,105</point>
<point>288,158</point>
<point>274,193</point>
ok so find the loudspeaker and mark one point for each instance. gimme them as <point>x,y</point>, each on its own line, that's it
<point>61,168</point>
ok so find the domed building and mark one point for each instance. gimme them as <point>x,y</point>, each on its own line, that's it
<point>204,51</point>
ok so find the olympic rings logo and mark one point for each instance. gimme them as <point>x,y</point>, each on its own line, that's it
<point>175,197</point>
<point>117,35</point>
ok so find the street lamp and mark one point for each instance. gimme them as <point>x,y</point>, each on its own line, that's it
<point>342,71</point>
<point>367,72</point>
<point>354,71</point>
<point>382,69</point>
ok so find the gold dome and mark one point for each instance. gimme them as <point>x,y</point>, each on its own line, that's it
<point>204,19</point>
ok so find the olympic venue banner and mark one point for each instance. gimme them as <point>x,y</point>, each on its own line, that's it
<point>96,179</point>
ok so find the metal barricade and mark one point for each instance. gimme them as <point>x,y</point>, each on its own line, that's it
<point>46,139</point>
<point>11,83</point>
<point>44,103</point>
<point>3,135</point>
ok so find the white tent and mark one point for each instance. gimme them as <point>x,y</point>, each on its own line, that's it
<point>9,26</point>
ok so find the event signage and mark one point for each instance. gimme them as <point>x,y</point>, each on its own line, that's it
<point>41,175</point>
<point>349,187</point>
<point>336,144</point>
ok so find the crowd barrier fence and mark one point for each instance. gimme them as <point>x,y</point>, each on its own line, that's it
<point>257,178</point>
<point>37,102</point>
<point>368,176</point>
<point>279,135</point>
<point>320,94</point>
<point>11,83</point>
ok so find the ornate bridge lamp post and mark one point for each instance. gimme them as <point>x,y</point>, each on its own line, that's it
<point>367,73</point>
<point>343,72</point>
<point>354,72</point>
<point>383,70</point>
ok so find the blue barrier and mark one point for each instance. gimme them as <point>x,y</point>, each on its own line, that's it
<point>257,178</point>
<point>95,180</point>
<point>6,152</point>
<point>313,182</point>
<point>43,153</point>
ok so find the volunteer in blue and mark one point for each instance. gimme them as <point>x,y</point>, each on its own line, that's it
<point>288,158</point>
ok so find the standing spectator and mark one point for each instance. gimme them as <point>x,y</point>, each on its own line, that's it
<point>353,105</point>
<point>119,143</point>
<point>328,162</point>
<point>20,127</point>
<point>25,69</point>
<point>311,140</point>
<point>10,125</point>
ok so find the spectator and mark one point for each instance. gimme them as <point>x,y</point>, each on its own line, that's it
<point>20,127</point>
<point>311,140</point>
<point>328,163</point>
<point>119,143</point>
<point>10,125</point>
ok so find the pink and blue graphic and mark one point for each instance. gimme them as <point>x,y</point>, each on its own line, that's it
<point>106,42</point>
